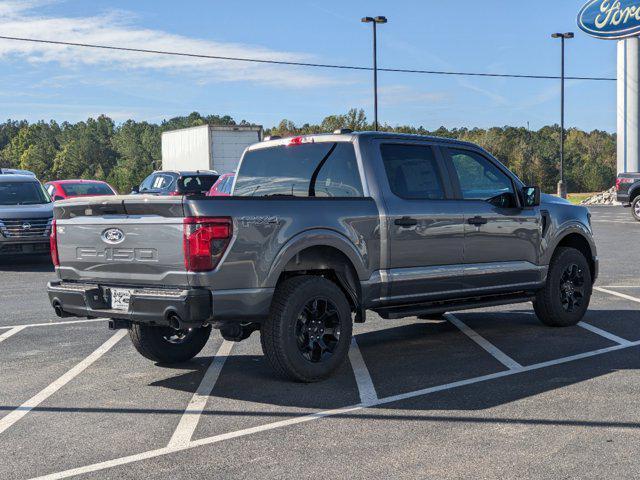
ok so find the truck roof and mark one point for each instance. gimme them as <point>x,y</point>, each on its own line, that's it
<point>349,137</point>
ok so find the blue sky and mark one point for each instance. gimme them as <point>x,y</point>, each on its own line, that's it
<point>502,36</point>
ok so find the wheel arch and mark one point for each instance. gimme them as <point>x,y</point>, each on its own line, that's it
<point>323,253</point>
<point>634,193</point>
<point>577,240</point>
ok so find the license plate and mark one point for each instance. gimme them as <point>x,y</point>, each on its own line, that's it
<point>120,298</point>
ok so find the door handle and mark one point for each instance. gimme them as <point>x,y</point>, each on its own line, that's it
<point>477,221</point>
<point>406,222</point>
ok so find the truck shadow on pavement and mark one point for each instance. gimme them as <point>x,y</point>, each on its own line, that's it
<point>410,358</point>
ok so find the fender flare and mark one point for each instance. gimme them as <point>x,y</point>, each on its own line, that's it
<point>564,231</point>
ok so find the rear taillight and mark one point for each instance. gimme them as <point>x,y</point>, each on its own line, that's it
<point>621,181</point>
<point>53,243</point>
<point>205,241</point>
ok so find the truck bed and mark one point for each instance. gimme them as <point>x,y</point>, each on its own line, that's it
<point>266,233</point>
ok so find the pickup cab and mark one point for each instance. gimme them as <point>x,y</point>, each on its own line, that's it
<point>319,230</point>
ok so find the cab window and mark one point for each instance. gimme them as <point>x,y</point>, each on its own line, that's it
<point>479,178</point>
<point>412,171</point>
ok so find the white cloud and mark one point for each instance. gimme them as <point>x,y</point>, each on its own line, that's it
<point>402,95</point>
<point>18,19</point>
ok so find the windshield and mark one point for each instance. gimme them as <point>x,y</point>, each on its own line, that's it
<point>79,189</point>
<point>22,193</point>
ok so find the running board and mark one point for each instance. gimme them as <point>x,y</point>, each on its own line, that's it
<point>404,311</point>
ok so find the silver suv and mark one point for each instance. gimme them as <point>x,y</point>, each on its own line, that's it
<point>26,212</point>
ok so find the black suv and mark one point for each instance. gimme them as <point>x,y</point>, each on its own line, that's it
<point>166,182</point>
<point>26,214</point>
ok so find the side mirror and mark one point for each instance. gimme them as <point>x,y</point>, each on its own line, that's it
<point>135,189</point>
<point>531,197</point>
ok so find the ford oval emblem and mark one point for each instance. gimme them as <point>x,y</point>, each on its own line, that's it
<point>113,235</point>
<point>610,19</point>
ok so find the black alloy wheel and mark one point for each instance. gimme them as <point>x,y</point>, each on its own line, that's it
<point>318,330</point>
<point>572,288</point>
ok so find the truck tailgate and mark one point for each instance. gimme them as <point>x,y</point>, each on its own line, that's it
<point>133,240</point>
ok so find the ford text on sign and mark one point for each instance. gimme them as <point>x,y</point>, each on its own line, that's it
<point>610,19</point>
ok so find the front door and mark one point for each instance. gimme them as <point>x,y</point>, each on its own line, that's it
<point>425,229</point>
<point>502,240</point>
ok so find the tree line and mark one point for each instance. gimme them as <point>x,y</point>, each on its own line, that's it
<point>124,154</point>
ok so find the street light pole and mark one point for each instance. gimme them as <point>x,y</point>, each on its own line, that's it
<point>375,21</point>
<point>562,187</point>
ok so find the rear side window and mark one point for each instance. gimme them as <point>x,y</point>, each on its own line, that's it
<point>308,170</point>
<point>412,171</point>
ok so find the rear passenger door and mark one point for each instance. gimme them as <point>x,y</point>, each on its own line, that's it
<point>502,240</point>
<point>425,229</point>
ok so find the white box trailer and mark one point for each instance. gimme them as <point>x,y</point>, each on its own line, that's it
<point>208,147</point>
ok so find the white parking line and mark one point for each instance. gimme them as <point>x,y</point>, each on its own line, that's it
<point>620,286</point>
<point>324,414</point>
<point>10,333</point>
<point>363,378</point>
<point>15,415</point>
<point>616,294</point>
<point>191,416</point>
<point>605,334</point>
<point>498,354</point>
<point>49,324</point>
<point>615,221</point>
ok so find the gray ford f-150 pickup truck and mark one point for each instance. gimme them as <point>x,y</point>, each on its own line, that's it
<point>319,230</point>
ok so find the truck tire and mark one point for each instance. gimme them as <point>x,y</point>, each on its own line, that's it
<point>308,333</point>
<point>565,298</point>
<point>166,345</point>
<point>635,208</point>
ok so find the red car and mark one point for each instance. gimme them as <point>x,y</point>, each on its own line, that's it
<point>63,189</point>
<point>222,188</point>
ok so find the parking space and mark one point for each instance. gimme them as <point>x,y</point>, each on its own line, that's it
<point>485,394</point>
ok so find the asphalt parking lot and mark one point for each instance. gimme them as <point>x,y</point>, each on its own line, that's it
<point>485,394</point>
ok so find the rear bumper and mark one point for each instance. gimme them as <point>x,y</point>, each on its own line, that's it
<point>151,306</point>
<point>154,307</point>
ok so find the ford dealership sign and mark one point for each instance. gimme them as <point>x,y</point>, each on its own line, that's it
<point>610,19</point>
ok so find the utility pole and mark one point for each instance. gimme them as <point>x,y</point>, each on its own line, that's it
<point>375,21</point>
<point>562,187</point>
